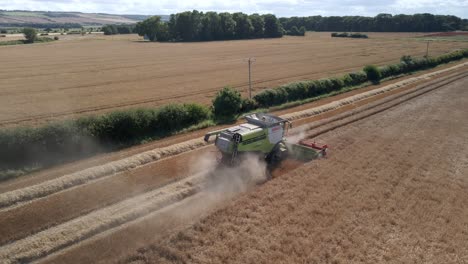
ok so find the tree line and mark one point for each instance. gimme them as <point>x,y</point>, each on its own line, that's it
<point>199,26</point>
<point>118,29</point>
<point>380,23</point>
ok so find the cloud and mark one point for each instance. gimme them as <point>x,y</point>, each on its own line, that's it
<point>278,7</point>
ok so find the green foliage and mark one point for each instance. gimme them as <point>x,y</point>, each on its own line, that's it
<point>30,34</point>
<point>153,28</point>
<point>348,35</point>
<point>244,28</point>
<point>3,31</point>
<point>228,26</point>
<point>358,77</point>
<point>273,28</point>
<point>109,29</point>
<point>11,42</point>
<point>358,35</point>
<point>406,59</point>
<point>247,105</point>
<point>20,41</point>
<point>294,31</point>
<point>45,39</point>
<point>67,140</point>
<point>227,103</point>
<point>116,29</point>
<point>199,26</point>
<point>298,91</point>
<point>258,25</point>
<point>373,73</point>
<point>380,23</point>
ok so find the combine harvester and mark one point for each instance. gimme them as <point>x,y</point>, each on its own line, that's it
<point>263,135</point>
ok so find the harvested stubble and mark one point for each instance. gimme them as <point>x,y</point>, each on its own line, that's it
<point>60,236</point>
<point>81,177</point>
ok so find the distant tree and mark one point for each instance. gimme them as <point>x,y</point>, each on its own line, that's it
<point>30,34</point>
<point>244,28</point>
<point>228,25</point>
<point>273,28</point>
<point>258,25</point>
<point>207,31</point>
<point>153,28</point>
<point>163,33</point>
<point>380,23</point>
<point>124,29</point>
<point>3,31</point>
<point>294,31</point>
<point>109,29</point>
<point>302,31</point>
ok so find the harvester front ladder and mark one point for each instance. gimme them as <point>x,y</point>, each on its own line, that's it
<point>237,139</point>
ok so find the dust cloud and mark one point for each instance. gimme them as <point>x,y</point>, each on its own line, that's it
<point>222,182</point>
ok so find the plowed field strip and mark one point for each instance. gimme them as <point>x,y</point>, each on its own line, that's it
<point>30,218</point>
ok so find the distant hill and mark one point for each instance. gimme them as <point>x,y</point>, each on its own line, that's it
<point>19,18</point>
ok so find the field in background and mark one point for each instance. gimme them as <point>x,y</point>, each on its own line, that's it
<point>100,73</point>
<point>42,17</point>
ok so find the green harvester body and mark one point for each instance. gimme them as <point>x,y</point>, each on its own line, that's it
<point>263,135</point>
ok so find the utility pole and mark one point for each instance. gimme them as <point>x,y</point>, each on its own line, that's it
<point>250,76</point>
<point>427,50</point>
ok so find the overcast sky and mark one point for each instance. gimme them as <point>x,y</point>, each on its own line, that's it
<point>278,7</point>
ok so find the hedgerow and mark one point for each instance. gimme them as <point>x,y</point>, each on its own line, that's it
<point>308,89</point>
<point>66,140</point>
<point>227,104</point>
<point>373,73</point>
<point>348,35</point>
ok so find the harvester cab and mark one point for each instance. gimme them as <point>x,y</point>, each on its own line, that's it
<point>262,135</point>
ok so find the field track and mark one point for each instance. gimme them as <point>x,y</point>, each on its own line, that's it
<point>116,73</point>
<point>62,222</point>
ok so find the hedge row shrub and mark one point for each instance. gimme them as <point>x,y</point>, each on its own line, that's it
<point>227,103</point>
<point>308,89</point>
<point>408,64</point>
<point>348,35</point>
<point>373,73</point>
<point>66,140</point>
